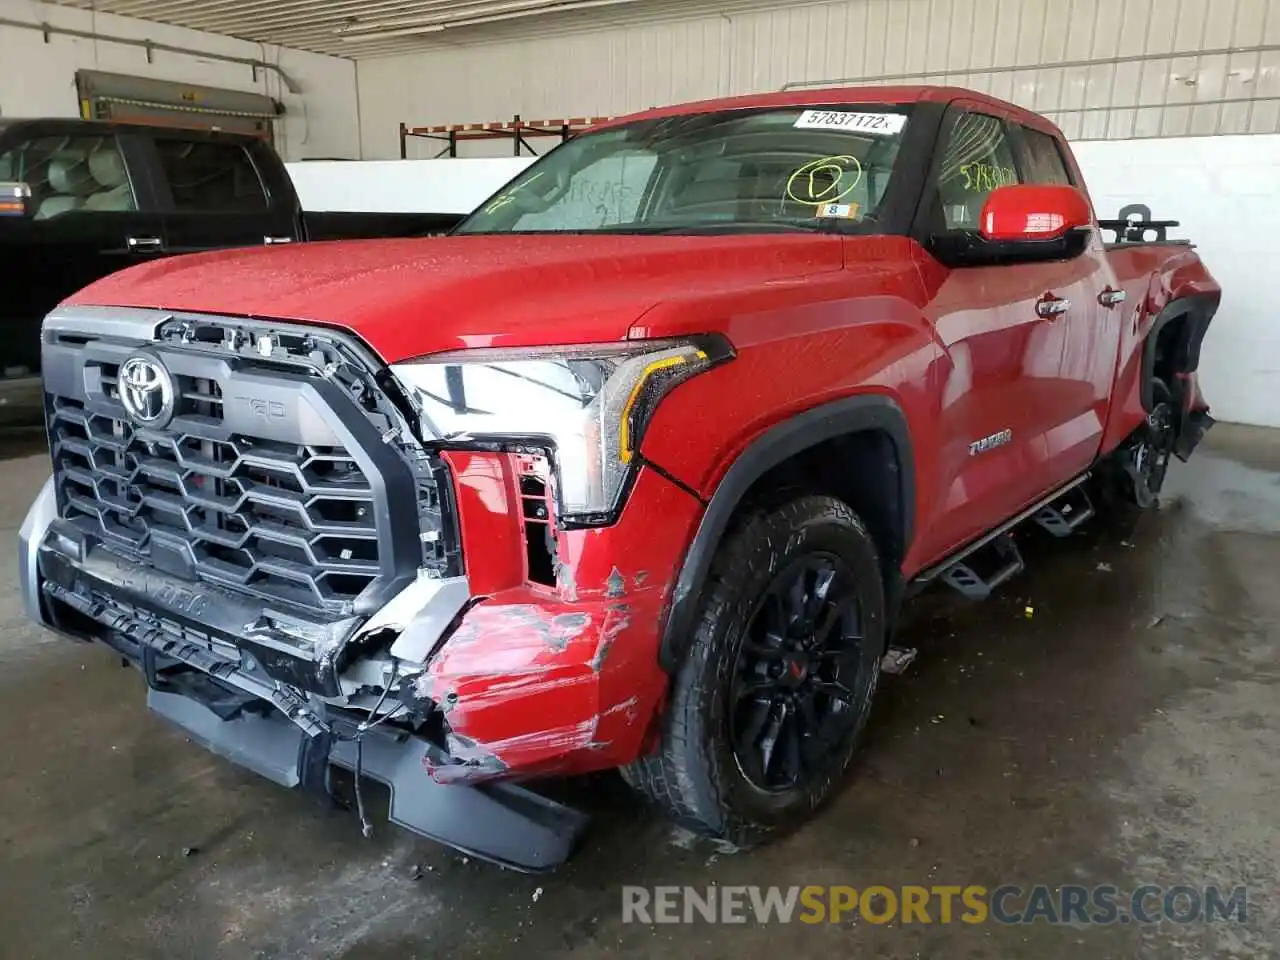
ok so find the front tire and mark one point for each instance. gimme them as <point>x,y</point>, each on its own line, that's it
<point>773,692</point>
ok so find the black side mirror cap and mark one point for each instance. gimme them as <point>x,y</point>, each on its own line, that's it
<point>967,248</point>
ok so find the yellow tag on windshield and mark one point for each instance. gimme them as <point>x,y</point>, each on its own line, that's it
<point>838,211</point>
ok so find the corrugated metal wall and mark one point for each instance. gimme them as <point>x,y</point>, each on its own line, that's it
<point>1104,69</point>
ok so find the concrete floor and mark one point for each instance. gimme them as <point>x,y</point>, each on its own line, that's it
<point>1126,733</point>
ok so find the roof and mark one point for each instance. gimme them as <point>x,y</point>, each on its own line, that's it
<point>836,95</point>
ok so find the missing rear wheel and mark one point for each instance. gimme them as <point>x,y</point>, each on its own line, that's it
<point>1146,458</point>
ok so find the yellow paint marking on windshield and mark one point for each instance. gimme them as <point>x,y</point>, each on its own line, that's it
<point>510,196</point>
<point>825,180</point>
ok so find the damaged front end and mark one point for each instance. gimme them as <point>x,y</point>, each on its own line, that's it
<point>280,553</point>
<point>263,698</point>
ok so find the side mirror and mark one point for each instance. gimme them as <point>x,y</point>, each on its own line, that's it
<point>1026,213</point>
<point>15,200</point>
<point>1021,223</point>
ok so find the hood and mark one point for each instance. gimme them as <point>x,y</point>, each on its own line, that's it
<point>406,298</point>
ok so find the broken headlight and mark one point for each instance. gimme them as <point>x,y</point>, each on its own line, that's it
<point>589,404</point>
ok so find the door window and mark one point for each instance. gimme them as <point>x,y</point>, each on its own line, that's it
<point>210,177</point>
<point>977,157</point>
<point>1044,159</point>
<point>70,174</point>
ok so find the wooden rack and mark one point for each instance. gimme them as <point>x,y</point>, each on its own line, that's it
<point>516,130</point>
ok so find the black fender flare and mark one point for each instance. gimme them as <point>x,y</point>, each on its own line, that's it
<point>1199,310</point>
<point>850,415</point>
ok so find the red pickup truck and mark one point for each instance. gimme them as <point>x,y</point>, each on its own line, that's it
<point>633,471</point>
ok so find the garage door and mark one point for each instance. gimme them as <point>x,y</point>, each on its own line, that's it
<point>113,96</point>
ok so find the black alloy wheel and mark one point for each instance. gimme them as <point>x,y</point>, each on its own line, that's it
<point>798,679</point>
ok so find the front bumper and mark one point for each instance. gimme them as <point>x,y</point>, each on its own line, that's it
<point>500,822</point>
<point>227,707</point>
<point>527,681</point>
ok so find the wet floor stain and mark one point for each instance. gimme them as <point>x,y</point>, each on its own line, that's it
<point>1125,732</point>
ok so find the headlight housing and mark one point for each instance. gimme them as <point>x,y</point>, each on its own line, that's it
<point>588,404</point>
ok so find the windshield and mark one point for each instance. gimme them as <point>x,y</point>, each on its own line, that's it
<point>772,170</point>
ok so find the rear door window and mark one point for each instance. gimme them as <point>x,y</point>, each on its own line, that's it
<point>1044,159</point>
<point>206,176</point>
<point>977,158</point>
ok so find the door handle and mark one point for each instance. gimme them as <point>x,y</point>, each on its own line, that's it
<point>1050,306</point>
<point>144,243</point>
<point>271,241</point>
<point>1111,297</point>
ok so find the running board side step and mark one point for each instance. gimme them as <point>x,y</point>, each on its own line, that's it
<point>977,569</point>
<point>964,577</point>
<point>1067,514</point>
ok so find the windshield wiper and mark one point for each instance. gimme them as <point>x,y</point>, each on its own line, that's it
<point>688,229</point>
<point>727,226</point>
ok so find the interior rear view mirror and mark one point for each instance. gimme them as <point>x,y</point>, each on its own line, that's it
<point>15,200</point>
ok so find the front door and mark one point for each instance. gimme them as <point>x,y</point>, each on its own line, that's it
<point>1002,332</point>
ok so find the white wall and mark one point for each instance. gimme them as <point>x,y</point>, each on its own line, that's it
<point>1225,191</point>
<point>615,69</point>
<point>402,186</point>
<point>38,79</point>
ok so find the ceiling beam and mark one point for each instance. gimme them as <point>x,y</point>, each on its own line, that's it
<point>303,11</point>
<point>329,29</point>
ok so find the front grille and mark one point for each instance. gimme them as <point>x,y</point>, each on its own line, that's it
<point>270,479</point>
<point>281,520</point>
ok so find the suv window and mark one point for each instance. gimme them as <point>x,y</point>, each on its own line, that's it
<point>1044,159</point>
<point>210,177</point>
<point>977,157</point>
<point>71,174</point>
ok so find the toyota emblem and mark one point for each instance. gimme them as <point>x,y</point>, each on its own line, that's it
<point>146,390</point>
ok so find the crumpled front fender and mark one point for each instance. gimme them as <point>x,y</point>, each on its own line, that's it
<point>541,680</point>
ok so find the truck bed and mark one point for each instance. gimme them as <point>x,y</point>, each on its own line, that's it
<point>1136,263</point>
